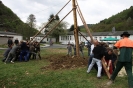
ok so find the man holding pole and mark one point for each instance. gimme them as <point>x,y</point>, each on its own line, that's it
<point>125,58</point>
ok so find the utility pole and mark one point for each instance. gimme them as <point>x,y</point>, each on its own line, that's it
<point>75,28</point>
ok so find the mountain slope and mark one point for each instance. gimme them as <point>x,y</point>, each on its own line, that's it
<point>122,21</point>
<point>9,21</point>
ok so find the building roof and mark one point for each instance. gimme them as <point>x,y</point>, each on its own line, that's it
<point>116,33</point>
<point>8,33</point>
<point>72,33</point>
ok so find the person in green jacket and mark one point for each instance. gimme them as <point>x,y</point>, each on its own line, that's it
<point>125,46</point>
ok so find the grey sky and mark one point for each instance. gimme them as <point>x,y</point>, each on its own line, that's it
<point>93,10</point>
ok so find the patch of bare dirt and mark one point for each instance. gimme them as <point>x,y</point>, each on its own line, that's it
<point>65,62</point>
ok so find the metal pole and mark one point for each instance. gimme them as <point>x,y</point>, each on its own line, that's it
<point>75,28</point>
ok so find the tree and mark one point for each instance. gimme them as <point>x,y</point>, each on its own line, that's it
<point>51,17</point>
<point>31,21</point>
<point>59,30</point>
<point>72,28</point>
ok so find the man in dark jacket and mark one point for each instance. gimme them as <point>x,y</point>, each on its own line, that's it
<point>16,41</point>
<point>24,51</point>
<point>98,52</point>
<point>10,42</point>
<point>12,54</point>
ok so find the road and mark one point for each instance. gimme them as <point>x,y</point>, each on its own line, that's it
<point>54,46</point>
<point>47,46</point>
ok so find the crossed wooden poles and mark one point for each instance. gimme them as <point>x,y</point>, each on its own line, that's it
<point>75,7</point>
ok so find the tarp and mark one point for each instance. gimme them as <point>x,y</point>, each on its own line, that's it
<point>109,39</point>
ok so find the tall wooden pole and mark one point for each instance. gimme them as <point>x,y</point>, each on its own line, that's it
<point>83,20</point>
<point>75,28</point>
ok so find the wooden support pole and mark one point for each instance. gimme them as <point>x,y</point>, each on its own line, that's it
<point>75,28</point>
<point>102,60</point>
<point>56,26</point>
<point>105,67</point>
<point>83,20</point>
<point>83,36</point>
<point>50,20</point>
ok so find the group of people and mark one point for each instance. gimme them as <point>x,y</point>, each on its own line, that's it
<point>21,51</point>
<point>100,51</point>
<point>73,46</point>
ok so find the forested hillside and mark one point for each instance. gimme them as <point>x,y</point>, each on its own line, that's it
<point>122,21</point>
<point>9,21</point>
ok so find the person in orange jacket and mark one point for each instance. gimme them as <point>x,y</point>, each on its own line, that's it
<point>125,46</point>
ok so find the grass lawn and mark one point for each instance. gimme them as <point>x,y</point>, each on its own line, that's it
<point>29,75</point>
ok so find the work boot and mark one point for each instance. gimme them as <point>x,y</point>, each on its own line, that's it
<point>98,77</point>
<point>12,62</point>
<point>109,83</point>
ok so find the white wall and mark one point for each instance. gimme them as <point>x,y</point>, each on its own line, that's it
<point>13,38</point>
<point>17,36</point>
<point>38,39</point>
<point>63,39</point>
<point>71,39</point>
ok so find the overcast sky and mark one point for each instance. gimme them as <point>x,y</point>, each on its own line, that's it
<point>93,10</point>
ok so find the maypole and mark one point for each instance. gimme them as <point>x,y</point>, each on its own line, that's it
<point>75,28</point>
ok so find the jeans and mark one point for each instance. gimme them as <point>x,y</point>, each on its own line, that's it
<point>90,59</point>
<point>99,64</point>
<point>24,54</point>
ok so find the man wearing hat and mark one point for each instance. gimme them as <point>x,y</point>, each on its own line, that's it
<point>125,46</point>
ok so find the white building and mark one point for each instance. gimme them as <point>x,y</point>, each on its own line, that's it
<point>70,38</point>
<point>101,35</point>
<point>38,38</point>
<point>96,35</point>
<point>5,35</point>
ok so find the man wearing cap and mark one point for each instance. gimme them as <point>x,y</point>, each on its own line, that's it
<point>125,46</point>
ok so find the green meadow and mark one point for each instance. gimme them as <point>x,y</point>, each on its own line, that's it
<point>30,75</point>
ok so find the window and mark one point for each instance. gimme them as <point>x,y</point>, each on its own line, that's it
<point>95,38</point>
<point>61,37</point>
<point>100,37</point>
<point>70,37</point>
<point>66,37</point>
